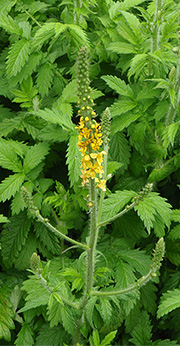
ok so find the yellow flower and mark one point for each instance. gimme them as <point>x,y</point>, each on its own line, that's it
<point>102,184</point>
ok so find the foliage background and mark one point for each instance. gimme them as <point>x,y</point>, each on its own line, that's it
<point>135,70</point>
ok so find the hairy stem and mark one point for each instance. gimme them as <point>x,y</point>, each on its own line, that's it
<point>171,114</point>
<point>156,26</point>
<point>58,233</point>
<point>92,238</point>
<point>142,281</point>
<point>124,211</point>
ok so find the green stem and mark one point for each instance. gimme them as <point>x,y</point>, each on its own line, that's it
<point>171,114</point>
<point>102,194</point>
<point>156,26</point>
<point>59,234</point>
<point>127,208</point>
<point>92,238</point>
<point>142,281</point>
<point>50,290</point>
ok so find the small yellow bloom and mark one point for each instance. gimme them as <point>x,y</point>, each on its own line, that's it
<point>87,158</point>
<point>102,184</point>
<point>83,108</point>
<point>93,155</point>
<point>86,118</point>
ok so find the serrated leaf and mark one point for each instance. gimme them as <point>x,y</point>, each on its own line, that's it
<point>108,338</point>
<point>89,308</point>
<point>42,35</point>
<point>105,309</point>
<point>17,56</point>
<point>35,155</point>
<point>8,157</point>
<point>174,233</point>
<point>112,166</point>
<point>6,314</point>
<point>124,274</point>
<point>73,159</point>
<point>169,302</point>
<point>151,206</point>
<point>95,337</point>
<point>137,65</point>
<point>55,117</point>
<point>3,219</point>
<point>116,202</point>
<point>122,48</point>
<point>52,336</point>
<point>24,337</point>
<point>119,149</point>
<point>37,294</point>
<point>169,134</point>
<point>44,79</point>
<point>119,86</point>
<point>22,262</point>
<point>48,238</point>
<point>123,121</point>
<point>10,185</point>
<point>14,236</point>
<point>78,35</point>
<point>68,320</point>
<point>137,260</point>
<point>9,24</point>
<point>141,334</point>
<point>54,313</point>
<point>69,92</point>
<point>122,106</point>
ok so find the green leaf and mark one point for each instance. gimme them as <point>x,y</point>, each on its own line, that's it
<point>122,48</point>
<point>169,302</point>
<point>108,338</point>
<point>133,23</point>
<point>120,149</point>
<point>123,121</point>
<point>73,159</point>
<point>3,219</point>
<point>137,260</point>
<point>24,337</point>
<point>52,336</point>
<point>8,157</point>
<point>48,238</point>
<point>137,65</point>
<point>89,308</point>
<point>78,35</point>
<point>10,185</point>
<point>17,56</point>
<point>153,208</point>
<point>9,24</point>
<point>95,338</point>
<point>174,233</point>
<point>42,35</point>
<point>124,274</point>
<point>54,312</point>
<point>141,334</point>
<point>6,314</point>
<point>35,155</point>
<point>22,262</point>
<point>119,86</point>
<point>105,309</point>
<point>169,134</point>
<point>55,117</point>
<point>112,166</point>
<point>122,106</point>
<point>44,79</point>
<point>68,319</point>
<point>37,294</point>
<point>116,202</point>
<point>14,236</point>
<point>69,92</point>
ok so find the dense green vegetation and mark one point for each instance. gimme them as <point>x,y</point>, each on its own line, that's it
<point>59,284</point>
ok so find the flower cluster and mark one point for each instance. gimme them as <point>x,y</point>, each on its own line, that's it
<point>90,135</point>
<point>89,143</point>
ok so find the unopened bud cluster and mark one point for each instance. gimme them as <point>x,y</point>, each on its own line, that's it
<point>142,194</point>
<point>35,262</point>
<point>90,135</point>
<point>105,125</point>
<point>158,254</point>
<point>28,201</point>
